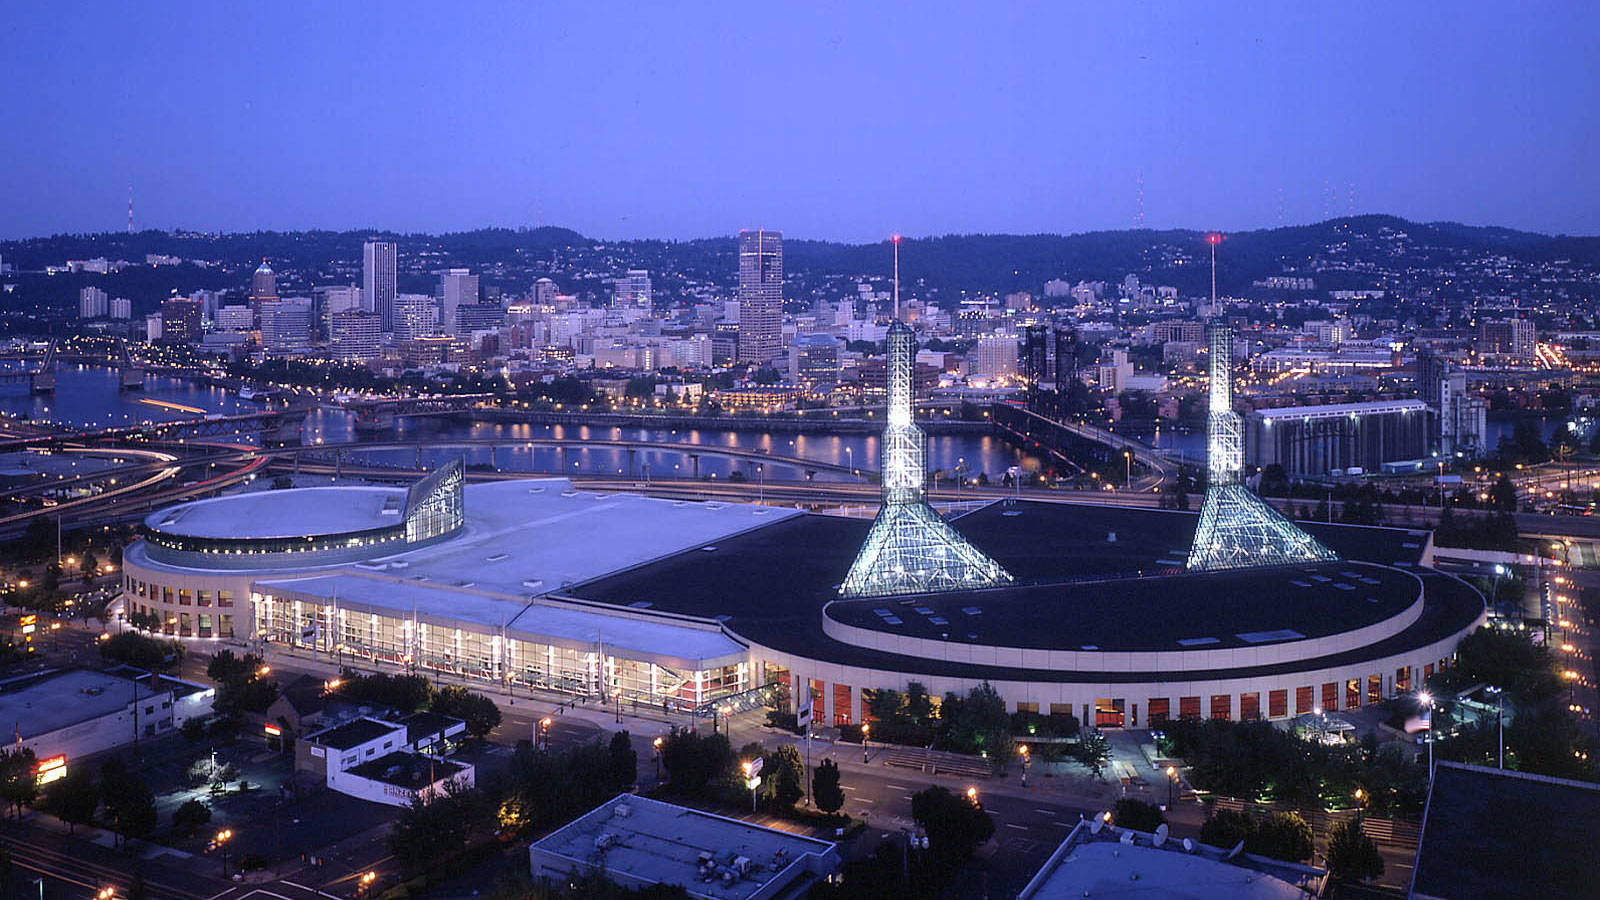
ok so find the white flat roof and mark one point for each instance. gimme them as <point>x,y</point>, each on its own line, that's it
<point>295,512</point>
<point>1103,866</point>
<point>536,536</point>
<point>39,706</point>
<point>1340,409</point>
<point>564,624</point>
<point>661,843</point>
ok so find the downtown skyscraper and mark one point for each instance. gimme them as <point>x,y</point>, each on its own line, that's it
<point>379,274</point>
<point>760,295</point>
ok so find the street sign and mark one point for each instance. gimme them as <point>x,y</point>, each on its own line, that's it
<point>756,764</point>
<point>754,782</point>
<point>802,717</point>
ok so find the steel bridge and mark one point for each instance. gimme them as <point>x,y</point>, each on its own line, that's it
<point>40,380</point>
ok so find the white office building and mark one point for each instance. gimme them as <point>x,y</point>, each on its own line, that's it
<point>379,277</point>
<point>457,288</point>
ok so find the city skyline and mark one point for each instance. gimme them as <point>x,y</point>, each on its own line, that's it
<point>1051,120</point>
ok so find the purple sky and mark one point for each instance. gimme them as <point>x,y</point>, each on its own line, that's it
<point>694,119</point>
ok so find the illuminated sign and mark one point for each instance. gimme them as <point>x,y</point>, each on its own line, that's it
<point>52,769</point>
<point>273,729</point>
<point>29,623</point>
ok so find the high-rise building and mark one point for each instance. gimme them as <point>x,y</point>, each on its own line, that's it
<point>121,308</point>
<point>93,303</point>
<point>479,317</point>
<point>413,316</point>
<point>263,285</point>
<point>286,325</point>
<point>545,292</point>
<point>152,327</point>
<point>760,295</point>
<point>633,290</point>
<point>356,336</point>
<point>180,319</point>
<point>457,288</point>
<point>330,301</point>
<point>209,301</point>
<point>1463,419</point>
<point>995,356</point>
<point>235,319</point>
<point>814,360</point>
<point>1508,337</point>
<point>379,278</point>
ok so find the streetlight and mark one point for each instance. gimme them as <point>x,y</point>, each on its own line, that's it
<point>223,837</point>
<point>866,728</point>
<point>1027,759</point>
<point>364,884</point>
<point>544,733</point>
<point>1499,725</point>
<point>1172,781</point>
<point>106,893</point>
<point>972,796</point>
<point>657,744</point>
<point>1426,699</point>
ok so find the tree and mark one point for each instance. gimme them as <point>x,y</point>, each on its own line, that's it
<point>129,804</point>
<point>1352,856</point>
<point>1093,749</point>
<point>956,826</point>
<point>73,797</point>
<point>134,649</point>
<point>692,760</point>
<point>188,818</point>
<point>1226,828</point>
<point>825,789</point>
<point>435,826</point>
<point>1282,835</point>
<point>978,723</point>
<point>624,759</point>
<point>481,714</point>
<point>1503,495</point>
<point>783,776</point>
<point>19,778</point>
<point>1137,814</point>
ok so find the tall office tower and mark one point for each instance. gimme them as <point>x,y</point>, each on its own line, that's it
<point>379,274</point>
<point>355,336</point>
<point>331,301</point>
<point>910,549</point>
<point>633,289</point>
<point>545,292</point>
<point>760,296</point>
<point>121,308</point>
<point>1237,529</point>
<point>235,319</point>
<point>180,319</point>
<point>263,285</point>
<point>412,316</point>
<point>457,287</point>
<point>93,303</point>
<point>286,325</point>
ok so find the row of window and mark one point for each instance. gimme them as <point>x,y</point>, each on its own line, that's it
<point>186,625</point>
<point>1115,713</point>
<point>176,596</point>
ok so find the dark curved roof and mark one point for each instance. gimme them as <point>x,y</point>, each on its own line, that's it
<point>770,585</point>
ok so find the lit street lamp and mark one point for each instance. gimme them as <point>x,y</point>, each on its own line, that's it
<point>1172,783</point>
<point>1027,760</point>
<point>865,730</point>
<point>1426,699</point>
<point>223,837</point>
<point>1499,725</point>
<point>657,744</point>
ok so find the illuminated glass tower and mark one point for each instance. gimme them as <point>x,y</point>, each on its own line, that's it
<point>911,549</point>
<point>1238,530</point>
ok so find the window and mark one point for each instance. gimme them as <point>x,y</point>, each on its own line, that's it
<point>224,598</point>
<point>183,624</point>
<point>1188,707</point>
<point>1249,706</point>
<point>1304,700</point>
<point>1159,709</point>
<point>185,597</point>
<point>1374,689</point>
<point>388,744</point>
<point>1427,671</point>
<point>166,595</point>
<point>841,705</point>
<point>1352,694</point>
<point>1061,709</point>
<point>349,760</point>
<point>1024,706</point>
<point>1330,696</point>
<point>1278,704</point>
<point>1222,706</point>
<point>1402,680</point>
<point>202,598</point>
<point>227,627</point>
<point>205,625</point>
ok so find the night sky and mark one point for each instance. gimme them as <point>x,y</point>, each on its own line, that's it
<point>681,120</point>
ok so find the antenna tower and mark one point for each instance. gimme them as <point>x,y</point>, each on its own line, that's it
<point>1138,216</point>
<point>130,209</point>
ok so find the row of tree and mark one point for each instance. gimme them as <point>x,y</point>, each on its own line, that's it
<point>77,797</point>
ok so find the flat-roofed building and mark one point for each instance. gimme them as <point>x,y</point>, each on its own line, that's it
<point>64,716</point>
<point>638,842</point>
<point>1315,440</point>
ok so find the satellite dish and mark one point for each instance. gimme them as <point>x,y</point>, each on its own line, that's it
<point>1095,824</point>
<point>1237,849</point>
<point>1127,838</point>
<point>1161,835</point>
<point>1188,845</point>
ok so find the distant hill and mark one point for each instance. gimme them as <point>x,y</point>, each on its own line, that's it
<point>1345,250</point>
